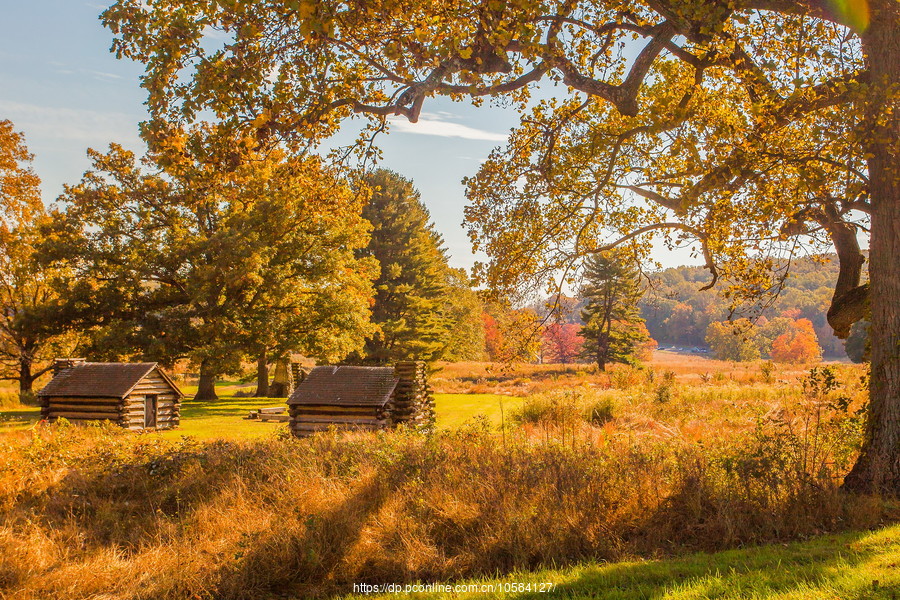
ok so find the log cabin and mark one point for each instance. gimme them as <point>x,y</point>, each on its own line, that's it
<point>138,396</point>
<point>362,398</point>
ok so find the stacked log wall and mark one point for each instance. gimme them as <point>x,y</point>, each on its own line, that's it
<point>307,419</point>
<point>413,401</point>
<point>81,409</point>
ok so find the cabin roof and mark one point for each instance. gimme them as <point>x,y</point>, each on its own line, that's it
<point>101,380</point>
<point>346,386</point>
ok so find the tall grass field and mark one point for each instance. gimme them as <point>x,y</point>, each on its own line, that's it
<point>675,481</point>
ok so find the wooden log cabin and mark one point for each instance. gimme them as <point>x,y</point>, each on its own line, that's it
<point>138,396</point>
<point>361,398</point>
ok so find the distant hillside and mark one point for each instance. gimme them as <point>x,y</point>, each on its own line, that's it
<point>677,312</point>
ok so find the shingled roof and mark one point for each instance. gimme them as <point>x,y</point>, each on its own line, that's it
<point>348,386</point>
<point>100,380</point>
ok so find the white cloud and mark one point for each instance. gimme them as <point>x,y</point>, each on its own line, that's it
<point>103,75</point>
<point>88,127</point>
<point>436,124</point>
<point>64,69</point>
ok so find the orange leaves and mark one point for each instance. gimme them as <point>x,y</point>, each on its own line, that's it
<point>798,345</point>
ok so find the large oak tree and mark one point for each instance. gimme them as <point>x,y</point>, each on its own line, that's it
<point>762,116</point>
<point>210,251</point>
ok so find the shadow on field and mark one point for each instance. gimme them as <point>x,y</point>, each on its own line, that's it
<point>760,572</point>
<point>306,554</point>
<point>227,407</point>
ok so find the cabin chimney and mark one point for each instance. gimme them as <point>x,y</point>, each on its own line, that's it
<point>61,364</point>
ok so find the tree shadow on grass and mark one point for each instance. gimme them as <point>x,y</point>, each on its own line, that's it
<point>823,568</point>
<point>227,407</point>
<point>310,555</point>
<point>15,418</point>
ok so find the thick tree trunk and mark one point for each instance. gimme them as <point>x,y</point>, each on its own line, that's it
<point>26,379</point>
<point>262,375</point>
<point>206,388</point>
<point>878,467</point>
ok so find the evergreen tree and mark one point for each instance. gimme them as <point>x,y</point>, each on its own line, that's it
<point>410,293</point>
<point>613,328</point>
<point>466,338</point>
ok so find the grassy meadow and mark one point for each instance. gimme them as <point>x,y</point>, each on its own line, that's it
<point>689,478</point>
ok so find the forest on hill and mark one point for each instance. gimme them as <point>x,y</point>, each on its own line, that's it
<point>678,312</point>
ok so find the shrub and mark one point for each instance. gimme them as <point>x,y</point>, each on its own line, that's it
<point>767,369</point>
<point>601,411</point>
<point>9,400</point>
<point>566,408</point>
<point>623,377</point>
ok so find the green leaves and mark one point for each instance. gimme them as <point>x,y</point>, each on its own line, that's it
<point>219,252</point>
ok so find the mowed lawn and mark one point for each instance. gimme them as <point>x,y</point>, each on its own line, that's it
<point>226,418</point>
<point>852,566</point>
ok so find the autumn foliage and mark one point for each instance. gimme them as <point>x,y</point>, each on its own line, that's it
<point>562,342</point>
<point>799,345</point>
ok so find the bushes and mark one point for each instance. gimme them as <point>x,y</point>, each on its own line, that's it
<point>12,400</point>
<point>567,408</point>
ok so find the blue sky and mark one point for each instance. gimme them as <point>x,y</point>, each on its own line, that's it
<point>60,85</point>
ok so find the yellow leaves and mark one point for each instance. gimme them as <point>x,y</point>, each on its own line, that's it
<point>20,196</point>
<point>303,9</point>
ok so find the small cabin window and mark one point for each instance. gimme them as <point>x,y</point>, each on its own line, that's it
<point>150,404</point>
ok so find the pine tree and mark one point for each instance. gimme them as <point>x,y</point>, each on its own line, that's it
<point>410,292</point>
<point>613,329</point>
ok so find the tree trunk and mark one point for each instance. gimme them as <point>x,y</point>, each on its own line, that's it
<point>26,379</point>
<point>206,388</point>
<point>262,375</point>
<point>878,467</point>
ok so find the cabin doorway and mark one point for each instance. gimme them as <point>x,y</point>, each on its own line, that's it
<point>150,403</point>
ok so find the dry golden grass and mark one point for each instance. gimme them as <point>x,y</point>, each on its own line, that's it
<point>521,379</point>
<point>97,512</point>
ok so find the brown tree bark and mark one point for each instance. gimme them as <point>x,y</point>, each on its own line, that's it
<point>878,467</point>
<point>206,388</point>
<point>262,375</point>
<point>26,379</point>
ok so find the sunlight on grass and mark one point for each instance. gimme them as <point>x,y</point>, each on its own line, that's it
<point>454,410</point>
<point>225,419</point>
<point>19,418</point>
<point>854,565</point>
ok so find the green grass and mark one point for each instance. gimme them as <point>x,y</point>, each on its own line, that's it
<point>225,418</point>
<point>224,388</point>
<point>454,410</point>
<point>853,566</point>
<point>18,418</point>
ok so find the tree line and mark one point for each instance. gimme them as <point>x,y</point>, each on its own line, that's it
<point>679,311</point>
